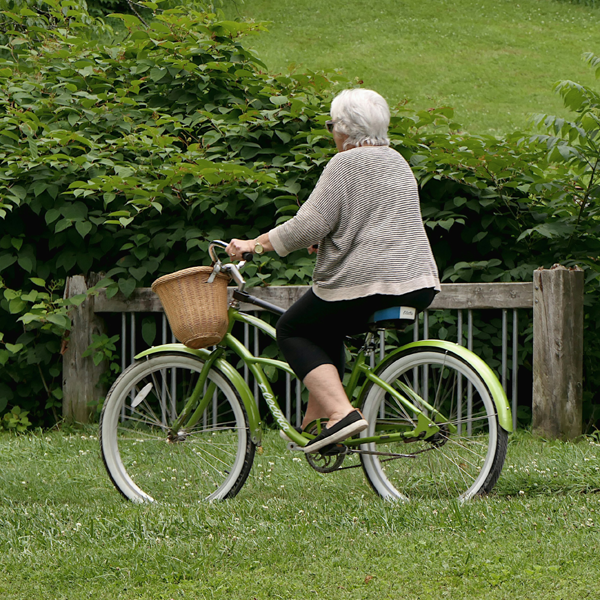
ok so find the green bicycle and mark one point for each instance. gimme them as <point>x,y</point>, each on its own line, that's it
<point>183,423</point>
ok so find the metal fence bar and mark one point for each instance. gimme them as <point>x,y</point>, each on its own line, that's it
<point>426,367</point>
<point>504,347</point>
<point>123,351</point>
<point>459,382</point>
<point>515,366</point>
<point>288,397</point>
<point>469,385</point>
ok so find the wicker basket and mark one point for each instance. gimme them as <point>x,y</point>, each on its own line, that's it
<point>197,310</point>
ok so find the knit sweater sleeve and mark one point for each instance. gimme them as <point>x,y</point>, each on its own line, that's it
<point>317,217</point>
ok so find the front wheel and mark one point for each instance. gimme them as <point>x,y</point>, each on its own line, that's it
<point>460,461</point>
<point>147,460</point>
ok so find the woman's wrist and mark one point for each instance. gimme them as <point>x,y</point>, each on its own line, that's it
<point>264,241</point>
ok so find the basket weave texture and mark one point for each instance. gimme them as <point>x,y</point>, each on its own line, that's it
<point>196,310</point>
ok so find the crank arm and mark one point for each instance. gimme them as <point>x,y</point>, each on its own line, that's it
<point>293,447</point>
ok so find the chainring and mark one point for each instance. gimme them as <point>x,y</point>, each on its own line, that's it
<point>330,459</point>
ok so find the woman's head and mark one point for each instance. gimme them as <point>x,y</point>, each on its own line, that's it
<point>362,115</point>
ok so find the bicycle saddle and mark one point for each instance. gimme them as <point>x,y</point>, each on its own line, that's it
<point>396,317</point>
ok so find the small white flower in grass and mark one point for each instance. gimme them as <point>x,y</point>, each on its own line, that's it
<point>521,493</point>
<point>295,459</point>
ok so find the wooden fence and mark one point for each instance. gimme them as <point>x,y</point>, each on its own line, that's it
<point>555,296</point>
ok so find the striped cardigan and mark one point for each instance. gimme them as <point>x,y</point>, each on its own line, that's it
<point>364,213</point>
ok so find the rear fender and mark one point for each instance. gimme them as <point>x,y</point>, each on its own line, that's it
<point>488,376</point>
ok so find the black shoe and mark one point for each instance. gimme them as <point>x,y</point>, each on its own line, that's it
<point>350,425</point>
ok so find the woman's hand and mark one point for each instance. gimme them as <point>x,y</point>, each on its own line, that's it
<point>237,248</point>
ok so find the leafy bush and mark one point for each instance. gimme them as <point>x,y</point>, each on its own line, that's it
<point>127,157</point>
<point>126,154</point>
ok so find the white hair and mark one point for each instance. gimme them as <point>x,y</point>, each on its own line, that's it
<point>363,115</point>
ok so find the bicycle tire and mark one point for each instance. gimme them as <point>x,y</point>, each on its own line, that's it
<point>457,465</point>
<point>145,462</point>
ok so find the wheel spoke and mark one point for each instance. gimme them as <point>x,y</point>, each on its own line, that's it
<point>447,464</point>
<point>147,461</point>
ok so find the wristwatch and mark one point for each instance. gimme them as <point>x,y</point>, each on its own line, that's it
<point>258,248</point>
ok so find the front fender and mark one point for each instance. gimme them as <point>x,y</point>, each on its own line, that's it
<point>229,371</point>
<point>488,376</point>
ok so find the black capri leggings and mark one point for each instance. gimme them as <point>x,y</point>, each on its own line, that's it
<point>311,332</point>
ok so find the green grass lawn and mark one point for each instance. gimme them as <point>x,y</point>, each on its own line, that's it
<point>495,62</point>
<point>291,533</point>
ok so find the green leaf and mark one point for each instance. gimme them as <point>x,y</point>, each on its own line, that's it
<point>52,215</point>
<point>83,227</point>
<point>14,348</point>
<point>6,260</point>
<point>149,330</point>
<point>38,281</point>
<point>157,74</point>
<point>278,100</point>
<point>19,191</point>
<point>30,318</point>
<point>62,225</point>
<point>138,272</point>
<point>78,299</point>
<point>26,263</point>
<point>283,136</point>
<point>16,306</point>
<point>61,320</point>
<point>127,286</point>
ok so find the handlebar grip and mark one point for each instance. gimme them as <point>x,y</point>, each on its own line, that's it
<point>247,256</point>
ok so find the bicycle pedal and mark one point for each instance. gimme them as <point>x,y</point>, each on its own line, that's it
<point>333,450</point>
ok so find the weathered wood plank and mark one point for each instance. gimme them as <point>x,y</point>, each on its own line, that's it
<point>558,353</point>
<point>80,375</point>
<point>453,296</point>
<point>457,296</point>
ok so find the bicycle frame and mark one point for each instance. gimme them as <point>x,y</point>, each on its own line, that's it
<point>427,424</point>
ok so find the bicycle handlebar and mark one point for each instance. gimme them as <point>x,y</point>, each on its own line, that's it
<point>231,268</point>
<point>246,256</point>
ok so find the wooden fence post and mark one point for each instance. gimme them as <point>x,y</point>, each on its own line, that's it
<point>557,352</point>
<point>80,375</point>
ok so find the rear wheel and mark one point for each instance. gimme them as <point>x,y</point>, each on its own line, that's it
<point>147,460</point>
<point>461,460</point>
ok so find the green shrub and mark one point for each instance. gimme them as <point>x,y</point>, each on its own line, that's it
<point>127,154</point>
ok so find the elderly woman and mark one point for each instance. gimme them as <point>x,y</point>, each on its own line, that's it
<point>373,253</point>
